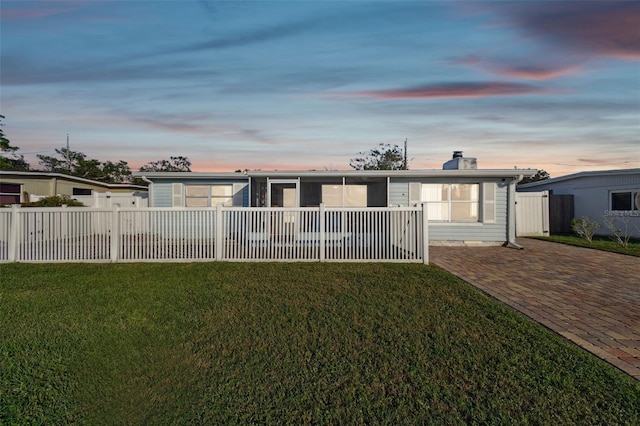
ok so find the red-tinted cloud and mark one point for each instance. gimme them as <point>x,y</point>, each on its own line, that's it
<point>526,68</point>
<point>34,10</point>
<point>536,72</point>
<point>608,28</point>
<point>451,90</point>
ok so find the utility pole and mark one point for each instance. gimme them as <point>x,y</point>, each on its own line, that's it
<point>406,161</point>
<point>68,156</point>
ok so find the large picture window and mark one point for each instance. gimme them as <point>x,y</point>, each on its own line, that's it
<point>344,195</point>
<point>208,195</point>
<point>625,201</point>
<point>451,202</point>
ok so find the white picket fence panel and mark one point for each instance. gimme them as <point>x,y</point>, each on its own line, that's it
<point>76,234</point>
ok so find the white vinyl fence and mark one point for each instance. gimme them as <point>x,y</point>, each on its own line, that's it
<point>532,214</point>
<point>398,234</point>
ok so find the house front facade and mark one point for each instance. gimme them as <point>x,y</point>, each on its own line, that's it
<point>604,196</point>
<point>464,206</point>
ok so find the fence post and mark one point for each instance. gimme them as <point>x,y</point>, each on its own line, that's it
<point>14,233</point>
<point>425,235</point>
<point>219,232</point>
<point>115,233</point>
<point>321,232</point>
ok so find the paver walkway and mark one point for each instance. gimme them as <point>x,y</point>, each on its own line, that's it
<point>588,296</point>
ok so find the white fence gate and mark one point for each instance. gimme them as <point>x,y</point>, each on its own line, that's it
<point>77,234</point>
<point>532,214</point>
<point>107,200</point>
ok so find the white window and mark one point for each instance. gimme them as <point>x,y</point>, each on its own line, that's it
<point>222,194</point>
<point>208,195</point>
<point>344,195</point>
<point>625,200</point>
<point>451,202</point>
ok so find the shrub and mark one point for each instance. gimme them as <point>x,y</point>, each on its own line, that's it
<point>621,235</point>
<point>585,227</point>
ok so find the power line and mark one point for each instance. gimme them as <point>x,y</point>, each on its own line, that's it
<point>592,165</point>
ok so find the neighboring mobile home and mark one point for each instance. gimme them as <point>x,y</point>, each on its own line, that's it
<point>23,187</point>
<point>600,195</point>
<point>465,205</point>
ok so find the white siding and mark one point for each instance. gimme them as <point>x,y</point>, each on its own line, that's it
<point>400,193</point>
<point>591,195</point>
<point>164,196</point>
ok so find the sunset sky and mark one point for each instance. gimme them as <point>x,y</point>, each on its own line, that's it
<point>309,84</point>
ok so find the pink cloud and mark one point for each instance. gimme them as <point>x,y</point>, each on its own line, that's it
<point>536,72</point>
<point>451,90</point>
<point>526,68</point>
<point>41,9</point>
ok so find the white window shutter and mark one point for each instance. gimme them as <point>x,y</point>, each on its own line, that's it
<point>177,199</point>
<point>488,202</point>
<point>415,193</point>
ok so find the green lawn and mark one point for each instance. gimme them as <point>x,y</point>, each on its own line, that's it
<point>269,343</point>
<point>598,243</point>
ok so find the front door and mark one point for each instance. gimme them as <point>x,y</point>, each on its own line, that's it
<point>282,193</point>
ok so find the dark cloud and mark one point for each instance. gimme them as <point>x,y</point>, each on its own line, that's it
<point>602,28</point>
<point>450,90</point>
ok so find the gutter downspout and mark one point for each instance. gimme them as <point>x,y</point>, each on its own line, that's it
<point>511,217</point>
<point>151,194</point>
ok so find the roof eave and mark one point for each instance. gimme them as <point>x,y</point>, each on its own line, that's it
<point>578,176</point>
<point>74,178</point>
<point>487,173</point>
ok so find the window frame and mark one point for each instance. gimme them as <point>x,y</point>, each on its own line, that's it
<point>208,197</point>
<point>5,193</point>
<point>81,191</point>
<point>634,199</point>
<point>340,195</point>
<point>448,202</point>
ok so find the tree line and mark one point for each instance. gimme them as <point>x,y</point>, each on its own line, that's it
<point>78,164</point>
<point>382,157</point>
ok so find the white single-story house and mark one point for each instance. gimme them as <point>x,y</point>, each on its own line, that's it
<point>600,195</point>
<point>465,205</point>
<point>28,186</point>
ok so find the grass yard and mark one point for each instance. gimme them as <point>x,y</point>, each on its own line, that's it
<point>289,343</point>
<point>598,243</point>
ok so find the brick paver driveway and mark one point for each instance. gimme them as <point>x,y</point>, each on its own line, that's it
<point>588,296</point>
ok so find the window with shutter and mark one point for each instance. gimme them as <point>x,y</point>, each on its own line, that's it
<point>488,202</point>
<point>176,195</point>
